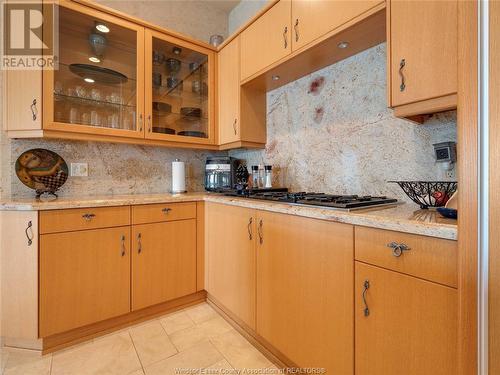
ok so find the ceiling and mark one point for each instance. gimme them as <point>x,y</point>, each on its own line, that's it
<point>223,5</point>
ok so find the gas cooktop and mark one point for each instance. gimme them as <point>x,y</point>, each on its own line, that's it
<point>343,202</point>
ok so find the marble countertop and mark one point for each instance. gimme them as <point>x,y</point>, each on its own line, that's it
<point>404,218</point>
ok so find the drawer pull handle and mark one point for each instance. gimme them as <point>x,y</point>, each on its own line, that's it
<point>261,235</point>
<point>166,210</point>
<point>366,286</point>
<point>234,126</point>
<point>285,36</point>
<point>398,248</point>
<point>88,217</point>
<point>401,66</point>
<point>29,233</point>
<point>123,245</point>
<point>139,243</point>
<point>249,227</point>
<point>140,122</point>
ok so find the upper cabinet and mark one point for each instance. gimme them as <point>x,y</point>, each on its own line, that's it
<point>267,40</point>
<point>117,81</point>
<point>242,114</point>
<point>314,18</point>
<point>98,87</point>
<point>179,90</point>
<point>422,53</point>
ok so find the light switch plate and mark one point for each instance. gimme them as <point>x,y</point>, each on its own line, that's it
<point>79,170</point>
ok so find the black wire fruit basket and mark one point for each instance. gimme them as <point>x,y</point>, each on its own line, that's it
<point>428,193</point>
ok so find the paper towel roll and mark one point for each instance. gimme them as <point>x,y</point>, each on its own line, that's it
<point>178,176</point>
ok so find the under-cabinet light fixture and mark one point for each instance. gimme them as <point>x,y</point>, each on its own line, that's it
<point>89,80</point>
<point>276,78</point>
<point>343,45</point>
<point>94,59</point>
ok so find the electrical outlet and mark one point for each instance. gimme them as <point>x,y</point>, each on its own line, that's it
<point>79,169</point>
<point>450,173</point>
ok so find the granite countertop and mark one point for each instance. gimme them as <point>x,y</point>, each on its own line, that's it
<point>404,218</point>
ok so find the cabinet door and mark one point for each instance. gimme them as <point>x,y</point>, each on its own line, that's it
<point>163,262</point>
<point>99,86</point>
<point>180,78</point>
<point>229,92</point>
<point>314,18</point>
<point>266,40</point>
<point>411,327</point>
<point>84,278</point>
<point>305,290</point>
<point>423,42</point>
<point>231,259</point>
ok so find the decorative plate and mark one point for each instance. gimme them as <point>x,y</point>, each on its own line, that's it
<point>42,170</point>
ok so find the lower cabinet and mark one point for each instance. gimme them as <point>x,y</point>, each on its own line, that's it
<point>404,325</point>
<point>231,259</point>
<point>305,290</point>
<point>84,278</point>
<point>163,262</point>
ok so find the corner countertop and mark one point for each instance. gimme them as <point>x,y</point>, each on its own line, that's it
<point>403,218</point>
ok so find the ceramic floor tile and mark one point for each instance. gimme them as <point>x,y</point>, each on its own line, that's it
<point>190,336</point>
<point>200,356</point>
<point>114,354</point>
<point>151,342</point>
<point>27,362</point>
<point>239,352</point>
<point>224,364</point>
<point>201,312</point>
<point>176,321</point>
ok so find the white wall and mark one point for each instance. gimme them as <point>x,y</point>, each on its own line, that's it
<point>242,12</point>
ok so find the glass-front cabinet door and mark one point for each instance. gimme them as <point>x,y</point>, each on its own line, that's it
<point>179,90</point>
<point>98,87</point>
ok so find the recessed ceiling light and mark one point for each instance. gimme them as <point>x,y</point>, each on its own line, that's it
<point>94,59</point>
<point>177,50</point>
<point>89,80</point>
<point>102,28</point>
<point>343,45</point>
<point>276,78</point>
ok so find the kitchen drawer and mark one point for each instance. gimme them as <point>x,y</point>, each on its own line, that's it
<point>154,213</point>
<point>427,257</point>
<point>83,218</point>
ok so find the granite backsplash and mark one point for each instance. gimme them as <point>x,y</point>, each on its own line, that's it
<point>332,132</point>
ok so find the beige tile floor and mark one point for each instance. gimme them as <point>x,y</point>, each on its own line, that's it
<point>193,338</point>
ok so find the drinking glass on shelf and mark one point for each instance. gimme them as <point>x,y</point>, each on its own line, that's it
<point>86,118</point>
<point>73,115</point>
<point>116,98</point>
<point>58,88</point>
<point>80,91</point>
<point>95,118</point>
<point>95,94</point>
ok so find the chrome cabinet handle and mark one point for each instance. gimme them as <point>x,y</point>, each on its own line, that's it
<point>140,122</point>
<point>149,123</point>
<point>261,235</point>
<point>88,217</point>
<point>401,66</point>
<point>285,32</point>
<point>139,243</point>
<point>296,28</point>
<point>398,248</point>
<point>366,286</point>
<point>123,245</point>
<point>29,233</point>
<point>249,228</point>
<point>34,110</point>
<point>166,210</point>
<point>234,126</point>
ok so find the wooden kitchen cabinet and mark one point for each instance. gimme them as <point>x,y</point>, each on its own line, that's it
<point>84,278</point>
<point>305,290</point>
<point>163,262</point>
<point>410,326</point>
<point>314,18</point>
<point>422,53</point>
<point>267,40</point>
<point>242,115</point>
<point>230,233</point>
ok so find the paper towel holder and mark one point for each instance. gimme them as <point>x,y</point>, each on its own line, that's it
<point>178,177</point>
